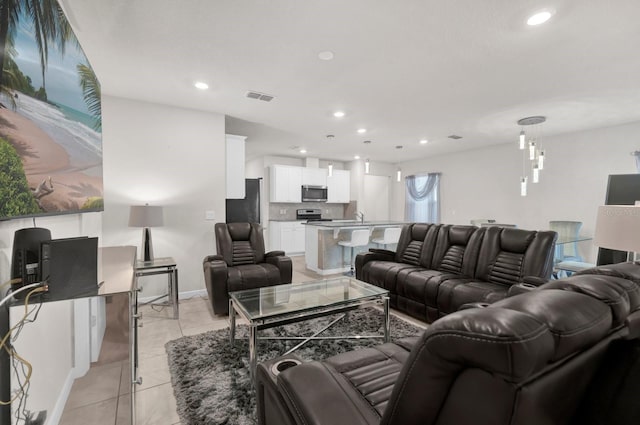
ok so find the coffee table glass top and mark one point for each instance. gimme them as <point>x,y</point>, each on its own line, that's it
<point>262,303</point>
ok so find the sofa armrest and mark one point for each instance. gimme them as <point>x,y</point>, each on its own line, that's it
<point>520,288</point>
<point>372,255</point>
<point>274,254</point>
<point>534,280</point>
<point>209,258</point>
<point>329,400</point>
<point>283,264</point>
<point>215,279</point>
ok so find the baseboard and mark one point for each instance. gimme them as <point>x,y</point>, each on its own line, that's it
<point>181,295</point>
<point>53,418</point>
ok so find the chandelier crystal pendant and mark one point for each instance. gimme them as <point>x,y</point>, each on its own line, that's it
<point>533,156</point>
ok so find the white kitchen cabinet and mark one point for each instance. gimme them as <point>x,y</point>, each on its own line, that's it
<point>314,176</point>
<point>338,187</point>
<point>287,236</point>
<point>235,184</point>
<point>286,183</point>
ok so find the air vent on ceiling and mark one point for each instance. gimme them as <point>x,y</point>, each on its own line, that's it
<point>454,137</point>
<point>260,96</point>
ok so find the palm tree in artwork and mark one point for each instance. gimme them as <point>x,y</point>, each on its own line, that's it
<point>49,26</point>
<point>91,93</point>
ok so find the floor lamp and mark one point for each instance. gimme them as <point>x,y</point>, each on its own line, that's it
<point>145,216</point>
<point>618,227</point>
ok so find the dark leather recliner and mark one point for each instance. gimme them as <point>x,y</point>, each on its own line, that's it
<point>242,263</point>
<point>538,358</point>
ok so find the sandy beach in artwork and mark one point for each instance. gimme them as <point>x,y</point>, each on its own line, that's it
<point>44,158</point>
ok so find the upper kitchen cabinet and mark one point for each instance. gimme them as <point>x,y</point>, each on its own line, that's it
<point>235,166</point>
<point>286,183</point>
<point>338,187</point>
<point>314,176</point>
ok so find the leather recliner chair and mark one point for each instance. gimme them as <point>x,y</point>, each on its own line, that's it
<point>530,359</point>
<point>241,263</point>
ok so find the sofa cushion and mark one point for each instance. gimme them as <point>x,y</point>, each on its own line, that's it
<point>507,255</point>
<point>588,322</point>
<point>457,292</point>
<point>621,295</point>
<point>252,276</point>
<point>413,239</point>
<point>457,248</point>
<point>385,273</point>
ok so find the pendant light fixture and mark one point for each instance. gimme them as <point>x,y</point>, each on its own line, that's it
<point>399,175</point>
<point>533,157</point>
<point>330,167</point>
<point>367,166</point>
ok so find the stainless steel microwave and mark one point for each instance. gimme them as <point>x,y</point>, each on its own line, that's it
<point>314,193</point>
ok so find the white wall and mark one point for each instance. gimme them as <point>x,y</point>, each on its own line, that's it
<point>484,183</point>
<point>171,157</point>
<point>357,175</point>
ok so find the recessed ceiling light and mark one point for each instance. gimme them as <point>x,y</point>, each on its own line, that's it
<point>338,114</point>
<point>362,130</point>
<point>327,55</point>
<point>201,86</point>
<point>424,141</point>
<point>539,18</point>
<point>356,157</point>
<point>303,151</point>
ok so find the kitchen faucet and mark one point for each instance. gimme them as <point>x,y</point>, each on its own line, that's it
<point>360,216</point>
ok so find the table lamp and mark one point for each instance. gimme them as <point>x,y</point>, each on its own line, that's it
<point>145,216</point>
<point>618,227</point>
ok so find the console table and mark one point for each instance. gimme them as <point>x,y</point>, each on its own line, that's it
<point>164,265</point>
<point>116,278</point>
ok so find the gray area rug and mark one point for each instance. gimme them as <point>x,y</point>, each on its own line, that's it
<point>210,377</point>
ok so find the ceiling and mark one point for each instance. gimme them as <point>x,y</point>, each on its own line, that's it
<point>404,70</point>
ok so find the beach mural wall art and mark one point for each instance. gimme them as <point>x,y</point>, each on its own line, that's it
<point>50,115</point>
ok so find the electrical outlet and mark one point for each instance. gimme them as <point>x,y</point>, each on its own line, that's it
<point>283,211</point>
<point>210,215</point>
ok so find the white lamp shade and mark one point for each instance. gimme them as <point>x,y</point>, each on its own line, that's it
<point>145,216</point>
<point>618,227</point>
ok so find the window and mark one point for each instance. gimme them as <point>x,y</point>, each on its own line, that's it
<point>422,199</point>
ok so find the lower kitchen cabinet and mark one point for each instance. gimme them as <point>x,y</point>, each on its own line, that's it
<point>287,236</point>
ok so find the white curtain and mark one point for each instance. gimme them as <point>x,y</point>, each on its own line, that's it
<point>422,200</point>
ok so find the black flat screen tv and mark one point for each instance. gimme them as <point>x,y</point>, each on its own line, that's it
<point>622,189</point>
<point>50,117</point>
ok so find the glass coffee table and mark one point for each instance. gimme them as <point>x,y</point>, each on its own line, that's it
<point>279,305</point>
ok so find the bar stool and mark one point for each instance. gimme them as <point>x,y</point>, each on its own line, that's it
<point>358,238</point>
<point>390,236</point>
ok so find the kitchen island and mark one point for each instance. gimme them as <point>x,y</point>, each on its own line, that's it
<point>325,256</point>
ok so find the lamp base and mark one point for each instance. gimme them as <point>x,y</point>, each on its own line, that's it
<point>147,246</point>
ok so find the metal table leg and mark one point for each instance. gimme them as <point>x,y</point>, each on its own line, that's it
<point>232,323</point>
<point>173,283</point>
<point>387,323</point>
<point>253,351</point>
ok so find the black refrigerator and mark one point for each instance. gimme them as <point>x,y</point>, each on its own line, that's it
<point>247,209</point>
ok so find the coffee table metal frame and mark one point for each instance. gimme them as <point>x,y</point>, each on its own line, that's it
<point>307,312</point>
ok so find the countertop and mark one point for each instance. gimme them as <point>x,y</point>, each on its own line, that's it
<point>336,224</point>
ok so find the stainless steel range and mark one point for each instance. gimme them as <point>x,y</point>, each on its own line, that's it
<point>310,214</point>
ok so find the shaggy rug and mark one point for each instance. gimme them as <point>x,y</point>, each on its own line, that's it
<point>210,377</point>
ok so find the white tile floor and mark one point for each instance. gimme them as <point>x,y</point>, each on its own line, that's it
<point>94,398</point>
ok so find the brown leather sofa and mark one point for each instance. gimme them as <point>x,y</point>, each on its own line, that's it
<point>438,268</point>
<point>242,263</point>
<point>566,353</point>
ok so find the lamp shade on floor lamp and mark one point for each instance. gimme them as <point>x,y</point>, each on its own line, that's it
<point>146,216</point>
<point>618,227</point>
